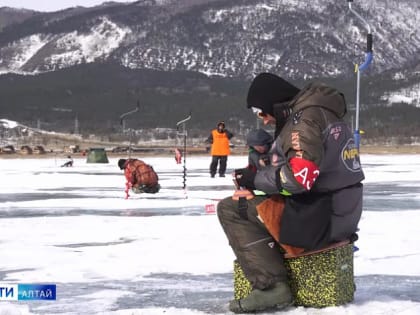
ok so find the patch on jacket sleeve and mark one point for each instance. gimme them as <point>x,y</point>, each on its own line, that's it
<point>350,156</point>
<point>305,171</point>
<point>297,116</point>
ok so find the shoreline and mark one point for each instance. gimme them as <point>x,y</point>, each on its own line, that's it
<point>391,149</point>
<point>169,152</point>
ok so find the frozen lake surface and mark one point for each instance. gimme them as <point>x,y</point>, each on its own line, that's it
<point>163,254</point>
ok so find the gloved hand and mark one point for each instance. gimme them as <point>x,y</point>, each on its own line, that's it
<point>245,193</point>
<point>245,178</point>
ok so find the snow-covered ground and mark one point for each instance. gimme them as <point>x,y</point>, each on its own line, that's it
<point>163,254</point>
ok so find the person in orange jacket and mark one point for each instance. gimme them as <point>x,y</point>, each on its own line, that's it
<point>219,140</point>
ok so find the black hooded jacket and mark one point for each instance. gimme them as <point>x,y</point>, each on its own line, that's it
<point>326,206</point>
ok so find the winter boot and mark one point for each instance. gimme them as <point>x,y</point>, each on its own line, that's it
<point>136,190</point>
<point>277,297</point>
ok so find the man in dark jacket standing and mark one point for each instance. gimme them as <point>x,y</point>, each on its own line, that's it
<point>319,177</point>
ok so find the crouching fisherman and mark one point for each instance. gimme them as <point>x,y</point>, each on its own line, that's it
<point>69,162</point>
<point>141,177</point>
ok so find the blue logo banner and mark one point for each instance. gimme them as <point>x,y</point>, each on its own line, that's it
<point>27,292</point>
<point>36,292</point>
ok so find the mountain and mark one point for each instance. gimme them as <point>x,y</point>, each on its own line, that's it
<point>99,93</point>
<point>177,56</point>
<point>235,38</point>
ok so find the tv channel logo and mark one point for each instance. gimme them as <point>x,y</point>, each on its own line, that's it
<point>27,292</point>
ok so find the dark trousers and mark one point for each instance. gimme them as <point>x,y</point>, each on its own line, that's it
<point>222,161</point>
<point>258,254</point>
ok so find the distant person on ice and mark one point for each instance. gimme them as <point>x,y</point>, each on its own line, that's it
<point>68,163</point>
<point>219,140</point>
<point>141,177</point>
<point>259,142</point>
<point>313,197</point>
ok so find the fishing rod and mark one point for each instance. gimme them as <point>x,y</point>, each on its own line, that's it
<point>360,68</point>
<point>122,122</point>
<point>184,133</point>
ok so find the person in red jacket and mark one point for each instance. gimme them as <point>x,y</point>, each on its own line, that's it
<point>219,140</point>
<point>141,177</point>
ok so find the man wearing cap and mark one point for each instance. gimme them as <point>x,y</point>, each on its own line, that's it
<point>316,190</point>
<point>259,142</point>
<point>219,140</point>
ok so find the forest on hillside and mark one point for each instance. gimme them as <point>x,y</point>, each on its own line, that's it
<point>89,99</point>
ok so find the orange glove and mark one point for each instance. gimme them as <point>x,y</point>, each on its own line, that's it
<point>242,193</point>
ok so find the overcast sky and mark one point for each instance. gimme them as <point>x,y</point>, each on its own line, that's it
<point>51,5</point>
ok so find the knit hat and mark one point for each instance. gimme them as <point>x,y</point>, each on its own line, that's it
<point>121,163</point>
<point>258,137</point>
<point>268,89</point>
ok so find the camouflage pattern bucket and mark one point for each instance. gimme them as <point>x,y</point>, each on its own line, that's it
<point>322,278</point>
<point>317,279</point>
<point>241,286</point>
